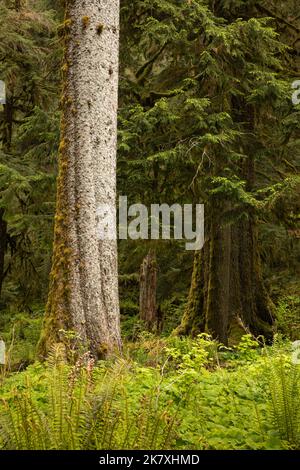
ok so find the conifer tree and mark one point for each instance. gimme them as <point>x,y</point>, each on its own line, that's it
<point>209,93</point>
<point>83,294</point>
<point>28,136</point>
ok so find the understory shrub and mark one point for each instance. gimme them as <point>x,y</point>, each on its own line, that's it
<point>189,394</point>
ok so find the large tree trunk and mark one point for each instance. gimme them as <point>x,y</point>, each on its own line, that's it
<point>227,296</point>
<point>148,287</point>
<point>3,244</point>
<point>84,283</point>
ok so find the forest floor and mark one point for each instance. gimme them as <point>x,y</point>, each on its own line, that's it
<point>163,393</point>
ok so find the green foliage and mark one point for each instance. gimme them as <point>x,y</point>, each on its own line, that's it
<point>204,97</point>
<point>288,316</point>
<point>247,348</point>
<point>283,380</point>
<point>129,308</point>
<point>85,407</point>
<point>184,399</point>
<point>29,133</point>
<point>21,333</point>
<point>172,311</point>
<point>206,115</point>
<point>131,324</point>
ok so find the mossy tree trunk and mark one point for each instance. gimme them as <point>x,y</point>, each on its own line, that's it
<point>83,294</point>
<point>148,288</point>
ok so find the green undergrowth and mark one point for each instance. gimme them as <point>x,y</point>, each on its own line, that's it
<point>21,332</point>
<point>166,393</point>
<point>288,316</point>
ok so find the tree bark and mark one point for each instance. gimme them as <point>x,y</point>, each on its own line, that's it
<point>148,287</point>
<point>83,292</point>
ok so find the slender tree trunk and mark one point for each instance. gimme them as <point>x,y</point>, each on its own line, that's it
<point>148,287</point>
<point>83,292</point>
<point>3,243</point>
